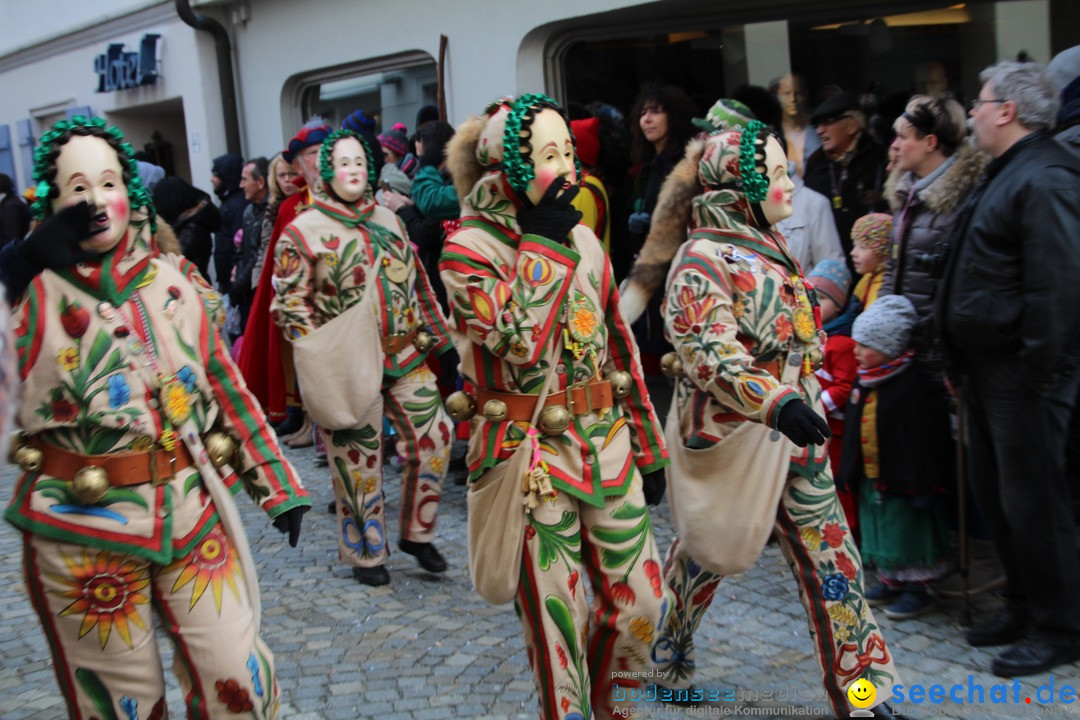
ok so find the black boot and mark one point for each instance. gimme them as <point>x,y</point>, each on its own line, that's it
<point>1008,627</point>
<point>886,713</point>
<point>292,422</point>
<point>373,576</point>
<point>426,554</point>
<point>1032,656</point>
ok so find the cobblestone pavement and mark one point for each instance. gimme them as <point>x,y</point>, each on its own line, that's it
<point>427,647</point>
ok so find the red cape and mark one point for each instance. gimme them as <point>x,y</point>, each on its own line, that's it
<point>261,353</point>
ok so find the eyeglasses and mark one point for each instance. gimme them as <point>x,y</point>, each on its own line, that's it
<point>974,105</point>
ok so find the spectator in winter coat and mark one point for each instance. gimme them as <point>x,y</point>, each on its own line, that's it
<point>226,171</point>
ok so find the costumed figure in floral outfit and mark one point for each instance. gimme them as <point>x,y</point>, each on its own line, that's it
<point>747,331</point>
<point>323,261</point>
<point>138,430</point>
<point>532,291</point>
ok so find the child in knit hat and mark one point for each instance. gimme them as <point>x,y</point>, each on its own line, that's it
<point>871,238</point>
<point>898,455</point>
<point>831,279</point>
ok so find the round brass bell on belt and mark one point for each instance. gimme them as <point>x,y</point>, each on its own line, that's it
<point>90,485</point>
<point>554,419</point>
<point>222,449</point>
<point>29,458</point>
<point>18,439</point>
<point>671,365</point>
<point>423,341</point>
<point>461,406</point>
<point>496,410</point>
<point>622,383</point>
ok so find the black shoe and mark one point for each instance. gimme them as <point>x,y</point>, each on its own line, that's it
<point>886,713</point>
<point>373,576</point>
<point>290,424</point>
<point>1032,656</point>
<point>425,554</point>
<point>322,460</point>
<point>332,507</point>
<point>1008,627</point>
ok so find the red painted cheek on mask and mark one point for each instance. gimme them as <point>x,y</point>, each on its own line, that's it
<point>544,178</point>
<point>776,195</point>
<point>118,209</point>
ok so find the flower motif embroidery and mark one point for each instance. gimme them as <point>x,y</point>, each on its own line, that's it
<point>68,359</point>
<point>119,391</point>
<point>623,594</point>
<point>176,402</point>
<point>783,328</point>
<point>108,590</point>
<point>234,697</point>
<point>846,566</point>
<point>834,535</point>
<point>641,628</point>
<point>692,315</point>
<point>212,564</point>
<point>834,587</point>
<point>187,376</point>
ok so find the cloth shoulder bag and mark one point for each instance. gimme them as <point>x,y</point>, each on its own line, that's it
<point>496,517</point>
<point>340,364</point>
<point>724,498</point>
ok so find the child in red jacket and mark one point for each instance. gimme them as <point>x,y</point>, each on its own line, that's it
<point>831,279</point>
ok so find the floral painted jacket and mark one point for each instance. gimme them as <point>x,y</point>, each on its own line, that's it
<point>738,312</point>
<point>92,344</point>
<point>323,261</point>
<point>513,296</point>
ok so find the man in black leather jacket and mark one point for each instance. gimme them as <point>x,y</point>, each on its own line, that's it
<point>1008,313</point>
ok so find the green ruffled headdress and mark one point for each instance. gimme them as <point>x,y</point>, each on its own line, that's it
<point>519,171</point>
<point>48,149</point>
<point>326,163</point>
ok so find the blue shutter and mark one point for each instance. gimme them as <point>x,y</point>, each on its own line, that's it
<point>78,110</point>
<point>7,157</point>
<point>24,131</point>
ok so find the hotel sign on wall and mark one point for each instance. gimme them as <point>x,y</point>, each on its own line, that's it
<point>120,70</point>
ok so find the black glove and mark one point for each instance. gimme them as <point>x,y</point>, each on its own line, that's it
<point>55,243</point>
<point>653,485</point>
<point>289,522</point>
<point>553,217</point>
<point>802,425</point>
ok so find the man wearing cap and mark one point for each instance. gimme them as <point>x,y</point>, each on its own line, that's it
<point>1006,307</point>
<point>849,167</point>
<point>267,370</point>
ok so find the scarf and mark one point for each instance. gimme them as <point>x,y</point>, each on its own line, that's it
<point>872,377</point>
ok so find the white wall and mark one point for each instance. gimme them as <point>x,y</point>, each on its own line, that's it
<point>284,37</point>
<point>27,23</point>
<point>61,75</point>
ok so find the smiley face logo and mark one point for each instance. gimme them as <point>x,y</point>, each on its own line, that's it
<point>861,693</point>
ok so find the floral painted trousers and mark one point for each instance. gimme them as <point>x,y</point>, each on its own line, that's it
<point>814,538</point>
<point>95,608</point>
<point>578,655</point>
<point>423,431</point>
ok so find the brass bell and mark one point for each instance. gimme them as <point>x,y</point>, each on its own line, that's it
<point>90,485</point>
<point>622,383</point>
<point>29,458</point>
<point>671,365</point>
<point>423,341</point>
<point>18,439</point>
<point>554,419</point>
<point>496,410</point>
<point>461,406</point>
<point>222,449</point>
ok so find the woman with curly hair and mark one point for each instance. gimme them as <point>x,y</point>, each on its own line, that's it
<point>533,293</point>
<point>128,395</point>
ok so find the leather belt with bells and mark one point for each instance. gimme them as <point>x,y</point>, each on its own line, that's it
<point>560,408</point>
<point>121,469</point>
<point>393,344</point>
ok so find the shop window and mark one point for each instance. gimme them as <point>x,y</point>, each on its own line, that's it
<point>390,90</point>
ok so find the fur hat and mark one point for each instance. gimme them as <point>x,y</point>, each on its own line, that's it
<point>831,278</point>
<point>886,325</point>
<point>874,231</point>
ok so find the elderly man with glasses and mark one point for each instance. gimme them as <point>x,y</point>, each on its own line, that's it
<point>1006,308</point>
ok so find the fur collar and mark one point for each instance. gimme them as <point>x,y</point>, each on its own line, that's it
<point>945,194</point>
